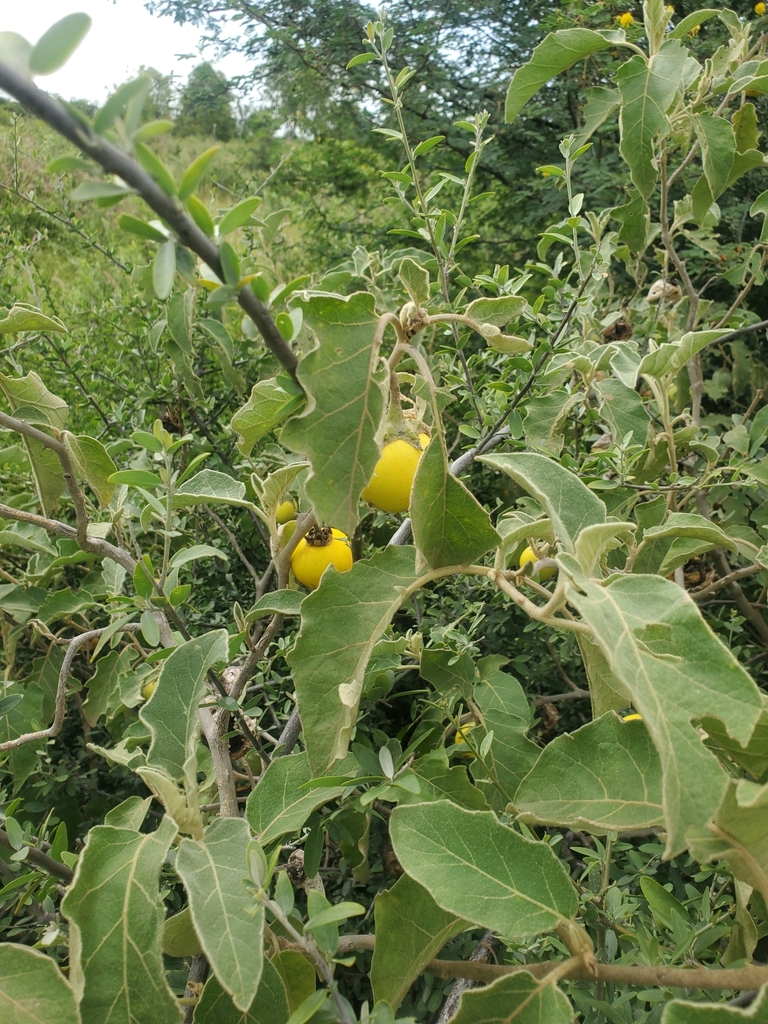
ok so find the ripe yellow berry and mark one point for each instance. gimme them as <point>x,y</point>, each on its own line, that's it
<point>529,555</point>
<point>315,552</point>
<point>285,511</point>
<point>389,489</point>
<point>460,739</point>
<point>632,718</point>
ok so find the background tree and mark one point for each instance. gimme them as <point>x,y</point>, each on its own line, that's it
<point>205,106</point>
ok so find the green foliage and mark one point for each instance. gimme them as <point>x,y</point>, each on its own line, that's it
<point>405,719</point>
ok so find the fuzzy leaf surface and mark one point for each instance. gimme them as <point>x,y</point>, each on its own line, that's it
<point>450,527</point>
<point>676,671</point>
<point>411,929</point>
<point>345,388</point>
<point>116,926</point>
<point>32,988</point>
<point>604,777</point>
<point>340,624</point>
<point>212,870</point>
<point>479,869</point>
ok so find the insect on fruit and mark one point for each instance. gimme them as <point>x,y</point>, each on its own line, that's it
<point>322,546</point>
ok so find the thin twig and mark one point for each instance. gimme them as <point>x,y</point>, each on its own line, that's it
<point>41,860</point>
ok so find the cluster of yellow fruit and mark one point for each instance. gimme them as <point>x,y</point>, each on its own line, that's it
<point>389,490</point>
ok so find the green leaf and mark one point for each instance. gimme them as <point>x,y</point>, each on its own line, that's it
<point>679,1011</point>
<point>683,27</point>
<point>298,976</point>
<point>604,777</point>
<point>155,167</point>
<point>361,58</point>
<point>140,228</point>
<point>635,220</point>
<point>520,998</point>
<point>268,405</point>
<point>623,410</point>
<point>279,602</point>
<point>427,144</point>
<point>280,805</point>
<point>346,390</point>
<point>558,51</point>
<point>192,554</point>
<point>112,686</point>
<point>195,173</point>
<point>269,1007</point>
<point>92,463</point>
<point>164,269</point>
<point>21,317</point>
<point>328,665</point>
<point>179,935</point>
<point>151,130</point>
<point>15,51</point>
<point>230,264</point>
<point>507,714</point>
<point>437,781</point>
<point>136,478</point>
<point>239,215</point>
<point>54,48</point>
<point>116,921</point>
<point>672,356</point>
<point>331,915</point>
<point>209,487</point>
<point>718,150</point>
<point>415,280</point>
<point>32,988</point>
<point>479,869</point>
<point>129,814</point>
<point>410,931</point>
<point>496,311</point>
<point>32,400</point>
<point>99,190</point>
<point>200,215</point>
<point>648,88</point>
<point>25,716</point>
<point>450,527</point>
<point>212,870</point>
<point>676,671</point>
<point>602,103</point>
<point>569,503</point>
<point>171,713</point>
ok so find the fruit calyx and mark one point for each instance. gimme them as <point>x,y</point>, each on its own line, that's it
<point>319,536</point>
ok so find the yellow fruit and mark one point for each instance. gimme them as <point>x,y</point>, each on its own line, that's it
<point>285,511</point>
<point>148,689</point>
<point>632,718</point>
<point>529,555</point>
<point>389,489</point>
<point>315,552</point>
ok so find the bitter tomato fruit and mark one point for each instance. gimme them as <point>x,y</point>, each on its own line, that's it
<point>529,555</point>
<point>389,489</point>
<point>285,511</point>
<point>315,552</point>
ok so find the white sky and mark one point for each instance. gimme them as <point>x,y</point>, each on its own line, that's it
<point>122,37</point>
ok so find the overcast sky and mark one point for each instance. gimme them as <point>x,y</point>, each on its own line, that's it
<point>122,37</point>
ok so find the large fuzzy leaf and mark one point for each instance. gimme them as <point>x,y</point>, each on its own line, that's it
<point>676,671</point>
<point>345,386</point>
<point>605,777</point>
<point>340,623</point>
<point>116,924</point>
<point>212,870</point>
<point>478,869</point>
